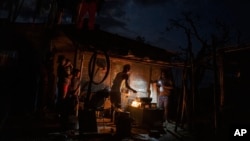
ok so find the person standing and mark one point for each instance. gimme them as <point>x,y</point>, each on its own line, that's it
<point>68,68</point>
<point>164,90</point>
<point>74,92</point>
<point>70,102</point>
<point>64,74</point>
<point>115,93</point>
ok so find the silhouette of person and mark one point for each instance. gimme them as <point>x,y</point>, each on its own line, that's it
<point>115,93</point>
<point>64,74</point>
<point>74,92</point>
<point>67,75</point>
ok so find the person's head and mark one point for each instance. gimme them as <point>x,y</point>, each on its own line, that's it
<point>126,68</point>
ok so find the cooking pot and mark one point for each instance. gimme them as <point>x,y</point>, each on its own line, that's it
<point>144,99</point>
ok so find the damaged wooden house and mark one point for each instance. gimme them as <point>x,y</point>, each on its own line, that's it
<point>101,55</point>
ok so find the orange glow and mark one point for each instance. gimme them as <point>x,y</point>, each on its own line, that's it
<point>136,104</point>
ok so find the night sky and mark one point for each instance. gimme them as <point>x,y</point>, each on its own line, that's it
<point>150,18</point>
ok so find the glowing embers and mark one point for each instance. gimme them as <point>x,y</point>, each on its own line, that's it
<point>142,102</point>
<point>136,104</point>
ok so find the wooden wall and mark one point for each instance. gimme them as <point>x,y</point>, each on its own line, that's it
<point>140,74</point>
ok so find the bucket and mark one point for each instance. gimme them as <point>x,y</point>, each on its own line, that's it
<point>123,124</point>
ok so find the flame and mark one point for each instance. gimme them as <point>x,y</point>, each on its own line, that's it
<point>136,104</point>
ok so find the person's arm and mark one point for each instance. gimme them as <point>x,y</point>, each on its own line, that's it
<point>77,91</point>
<point>79,87</point>
<point>128,86</point>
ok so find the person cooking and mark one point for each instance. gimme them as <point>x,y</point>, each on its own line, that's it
<point>115,93</point>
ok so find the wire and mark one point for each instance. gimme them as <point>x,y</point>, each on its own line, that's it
<point>91,67</point>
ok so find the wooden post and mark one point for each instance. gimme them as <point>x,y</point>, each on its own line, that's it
<point>149,81</point>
